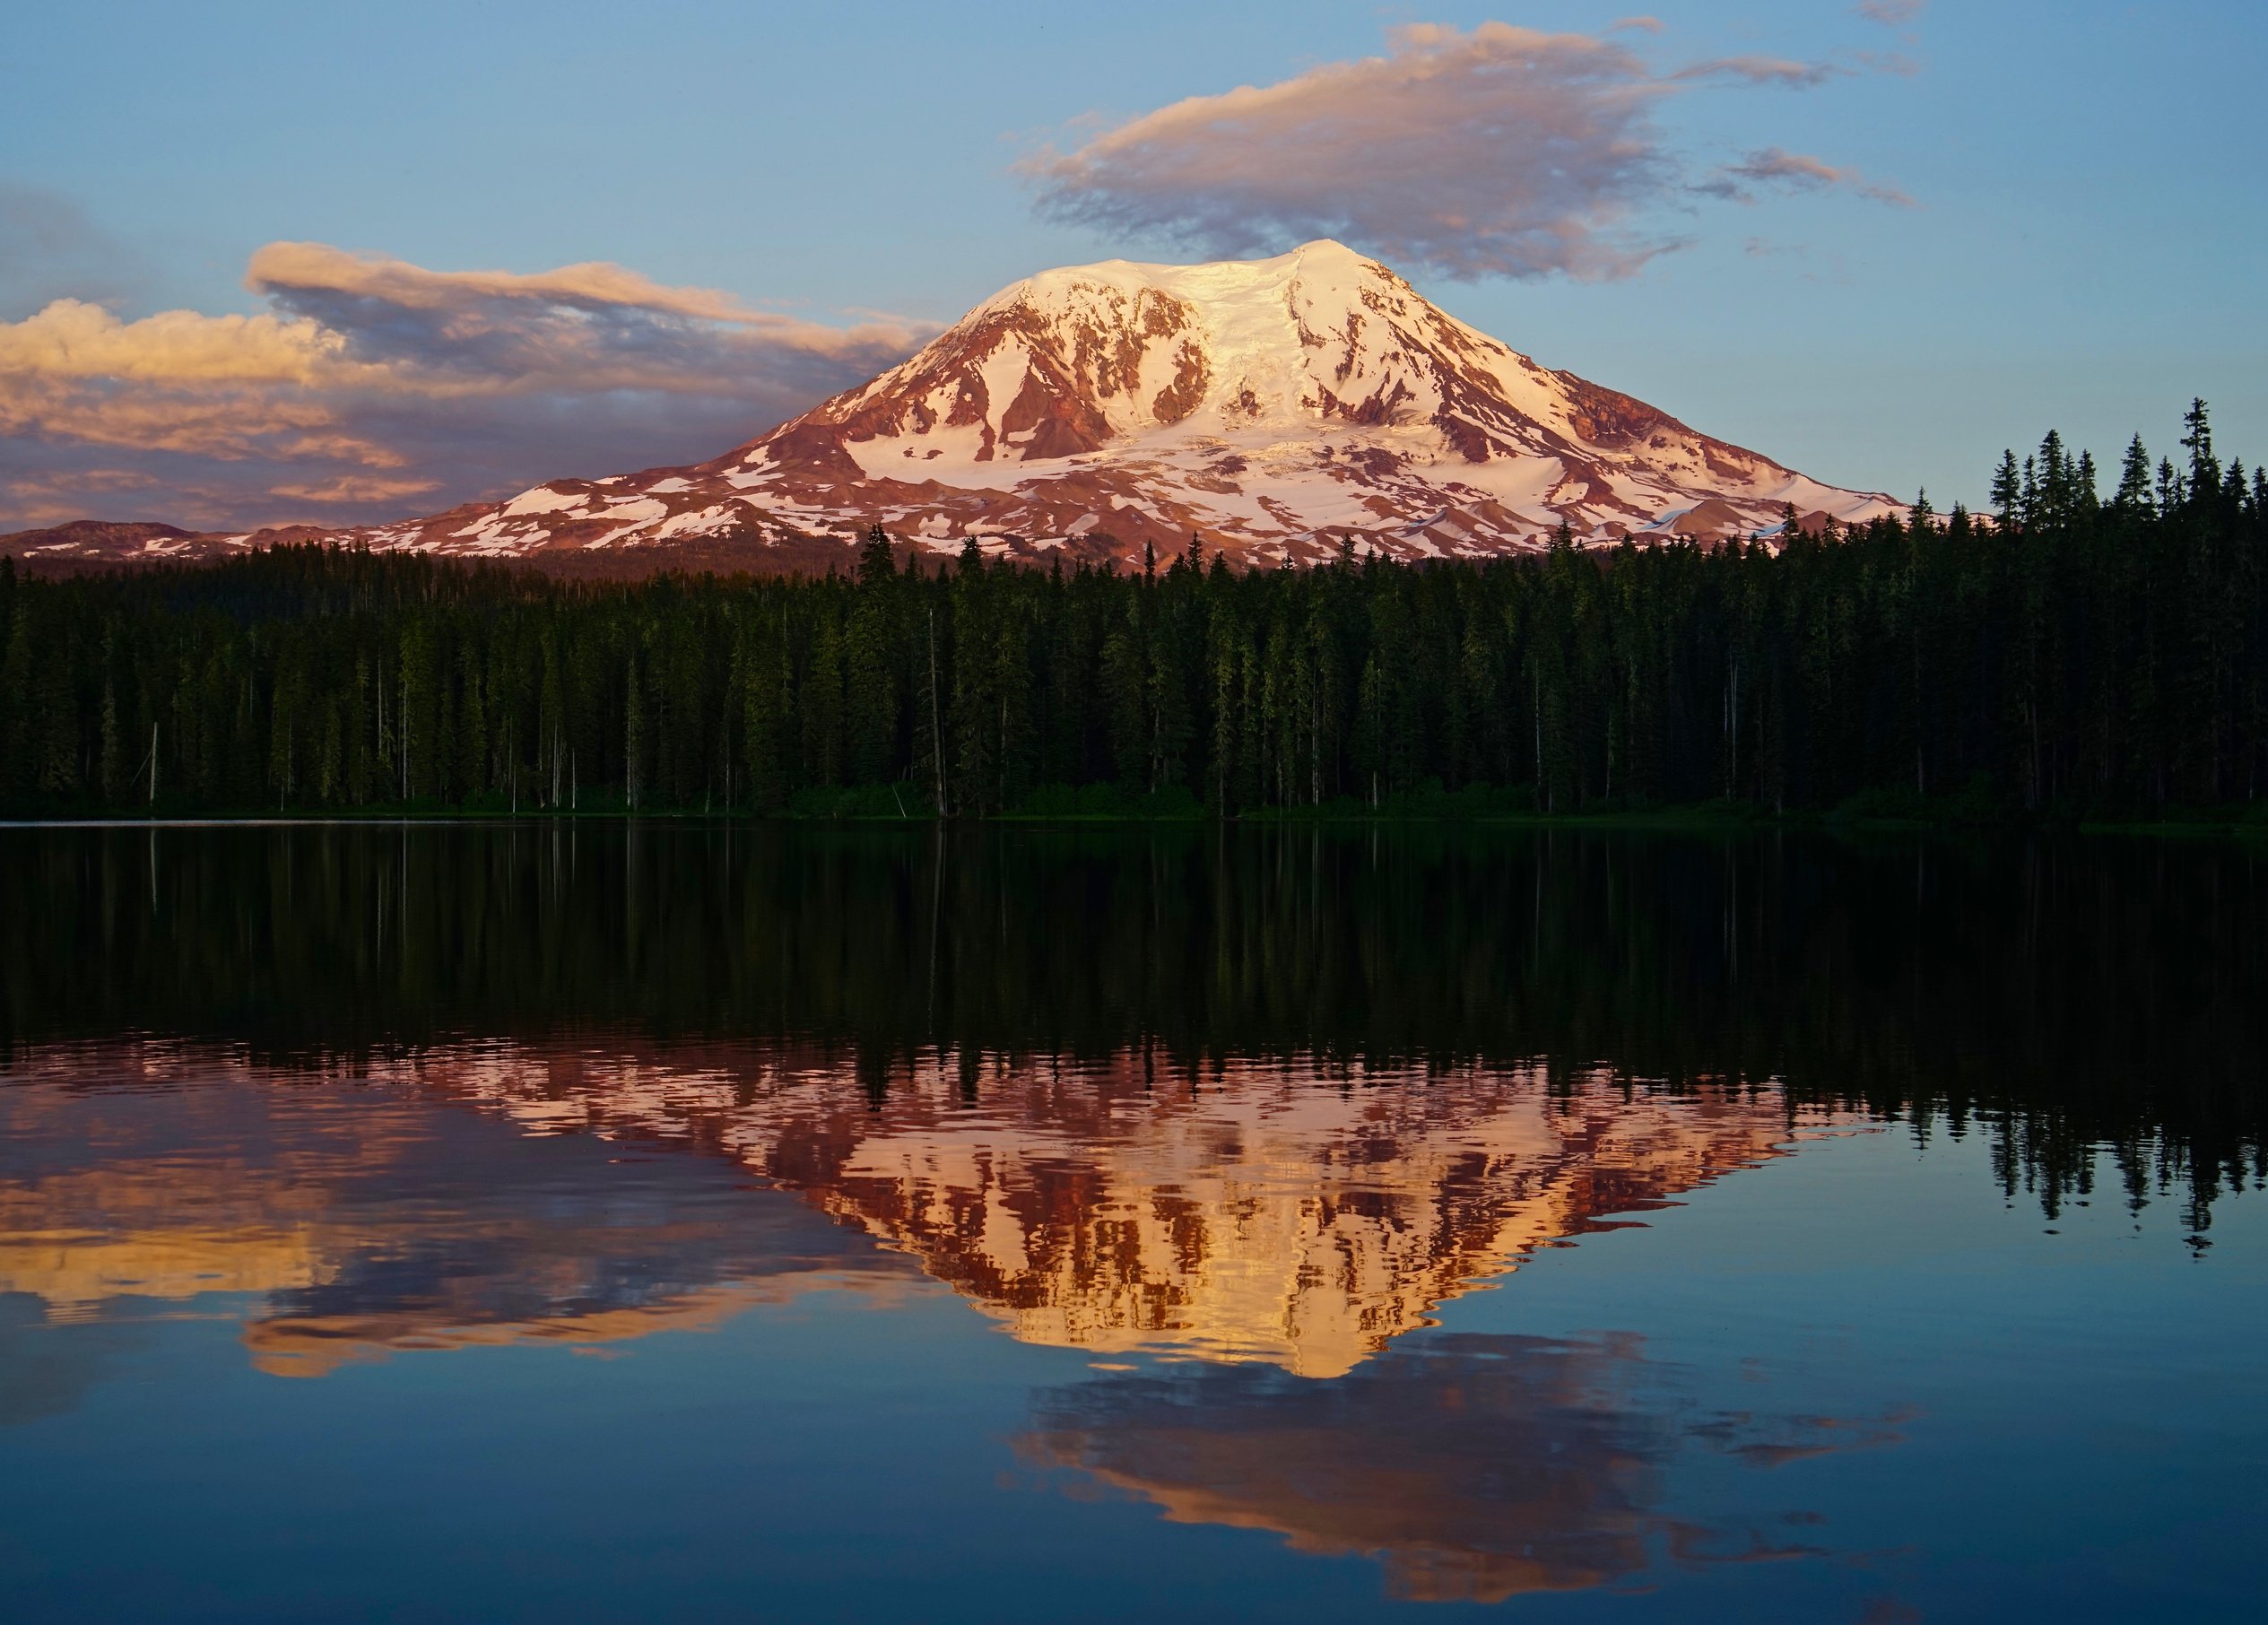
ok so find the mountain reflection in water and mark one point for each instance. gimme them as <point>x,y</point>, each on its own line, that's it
<point>1271,1225</point>
<point>1208,1174</point>
<point>1299,1216</point>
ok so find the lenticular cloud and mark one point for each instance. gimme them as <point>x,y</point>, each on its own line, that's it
<point>1500,152</point>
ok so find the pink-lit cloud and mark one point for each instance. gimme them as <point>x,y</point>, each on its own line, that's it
<point>368,383</point>
<point>1795,172</point>
<point>1494,151</point>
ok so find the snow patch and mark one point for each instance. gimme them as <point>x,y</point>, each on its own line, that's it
<point>542,499</point>
<point>708,522</point>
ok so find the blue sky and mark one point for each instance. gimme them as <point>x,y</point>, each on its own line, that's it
<point>2084,251</point>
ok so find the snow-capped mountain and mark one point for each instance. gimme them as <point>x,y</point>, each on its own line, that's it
<point>1275,408</point>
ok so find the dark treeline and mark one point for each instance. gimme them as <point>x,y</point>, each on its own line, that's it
<point>2083,655</point>
<point>2092,1004</point>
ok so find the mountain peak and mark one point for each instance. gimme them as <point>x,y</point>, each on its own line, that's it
<point>1324,258</point>
<point>1281,406</point>
<point>1279,409</point>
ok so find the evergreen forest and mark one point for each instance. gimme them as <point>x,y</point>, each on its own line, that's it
<point>2076,654</point>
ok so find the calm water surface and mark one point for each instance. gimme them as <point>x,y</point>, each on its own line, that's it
<point>681,1223</point>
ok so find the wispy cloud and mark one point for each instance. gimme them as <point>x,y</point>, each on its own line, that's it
<point>1797,172</point>
<point>1888,62</point>
<point>1762,70</point>
<point>1494,151</point>
<point>1891,14</point>
<point>369,381</point>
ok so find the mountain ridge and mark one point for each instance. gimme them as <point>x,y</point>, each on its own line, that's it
<point>1279,410</point>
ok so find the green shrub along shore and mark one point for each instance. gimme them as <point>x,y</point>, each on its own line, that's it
<point>2077,659</point>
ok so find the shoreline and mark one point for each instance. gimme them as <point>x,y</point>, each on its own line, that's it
<point>1704,820</point>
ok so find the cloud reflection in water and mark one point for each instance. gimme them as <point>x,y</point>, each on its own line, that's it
<point>1473,1467</point>
<point>1280,1233</point>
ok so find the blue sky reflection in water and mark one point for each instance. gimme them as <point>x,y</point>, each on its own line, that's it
<point>775,1290</point>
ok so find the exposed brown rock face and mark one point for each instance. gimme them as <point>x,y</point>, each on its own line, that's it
<point>1276,408</point>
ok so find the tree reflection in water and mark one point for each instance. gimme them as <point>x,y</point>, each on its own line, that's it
<point>1238,1108</point>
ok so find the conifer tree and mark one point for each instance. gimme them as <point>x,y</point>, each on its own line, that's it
<point>2008,491</point>
<point>2105,659</point>
<point>2197,440</point>
<point>2133,479</point>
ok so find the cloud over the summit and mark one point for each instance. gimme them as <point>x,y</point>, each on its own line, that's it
<point>1495,152</point>
<point>370,382</point>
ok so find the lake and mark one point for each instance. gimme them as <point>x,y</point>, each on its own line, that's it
<point>684,1220</point>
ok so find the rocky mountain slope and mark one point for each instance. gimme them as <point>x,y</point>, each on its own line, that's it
<point>1278,409</point>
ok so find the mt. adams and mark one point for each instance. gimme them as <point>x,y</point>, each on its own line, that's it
<point>1275,407</point>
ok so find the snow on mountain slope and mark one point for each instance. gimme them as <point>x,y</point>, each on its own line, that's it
<point>1278,409</point>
